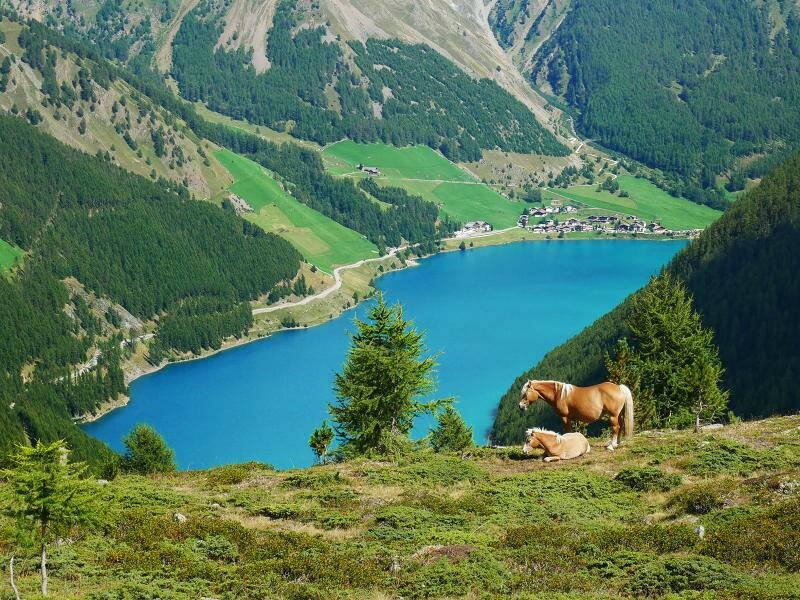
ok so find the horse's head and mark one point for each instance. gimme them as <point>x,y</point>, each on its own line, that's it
<point>529,394</point>
<point>531,441</point>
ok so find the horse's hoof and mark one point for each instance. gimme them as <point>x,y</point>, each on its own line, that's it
<point>610,447</point>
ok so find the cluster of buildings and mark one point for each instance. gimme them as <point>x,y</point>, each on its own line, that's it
<point>538,213</point>
<point>597,223</point>
<point>374,171</point>
<point>472,228</point>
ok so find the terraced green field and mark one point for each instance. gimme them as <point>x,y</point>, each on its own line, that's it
<point>410,162</point>
<point>464,201</point>
<point>322,241</point>
<point>421,170</point>
<point>9,255</point>
<point>646,201</point>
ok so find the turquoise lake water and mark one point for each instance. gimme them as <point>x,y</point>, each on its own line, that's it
<point>491,312</point>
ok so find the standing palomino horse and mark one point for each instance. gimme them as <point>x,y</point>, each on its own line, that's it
<point>585,404</point>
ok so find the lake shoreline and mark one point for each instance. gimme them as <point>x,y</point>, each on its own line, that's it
<point>135,372</point>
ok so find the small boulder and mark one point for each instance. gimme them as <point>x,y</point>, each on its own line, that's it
<point>180,518</point>
<point>700,531</point>
<point>102,482</point>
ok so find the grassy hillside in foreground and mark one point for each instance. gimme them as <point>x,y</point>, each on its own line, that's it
<point>321,240</point>
<point>492,524</point>
<point>742,272</point>
<point>421,171</point>
<point>646,201</point>
<point>9,255</point>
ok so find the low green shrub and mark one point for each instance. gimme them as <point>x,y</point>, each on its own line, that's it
<point>335,498</point>
<point>278,510</point>
<point>720,455</point>
<point>766,536</point>
<point>565,494</point>
<point>648,479</point>
<point>333,519</point>
<point>312,479</point>
<point>431,469</point>
<point>232,474</point>
<point>658,538</point>
<point>619,564</point>
<point>217,547</point>
<point>699,499</point>
<point>445,578</point>
<point>677,574</point>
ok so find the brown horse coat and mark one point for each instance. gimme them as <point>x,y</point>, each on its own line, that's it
<point>585,404</point>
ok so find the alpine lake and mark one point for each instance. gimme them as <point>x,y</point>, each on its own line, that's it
<point>488,314</point>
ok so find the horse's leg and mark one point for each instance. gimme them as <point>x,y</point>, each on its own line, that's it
<point>615,438</point>
<point>567,424</point>
<point>551,458</point>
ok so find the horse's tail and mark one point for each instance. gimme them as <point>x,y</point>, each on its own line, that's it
<point>628,409</point>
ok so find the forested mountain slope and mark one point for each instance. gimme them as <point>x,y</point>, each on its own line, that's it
<point>744,273</point>
<point>689,87</point>
<point>322,90</point>
<point>82,102</point>
<point>142,246</point>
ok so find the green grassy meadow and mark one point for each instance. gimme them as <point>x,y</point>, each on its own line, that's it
<point>646,201</point>
<point>487,524</point>
<point>420,170</point>
<point>322,241</point>
<point>411,162</point>
<point>10,255</point>
<point>465,201</point>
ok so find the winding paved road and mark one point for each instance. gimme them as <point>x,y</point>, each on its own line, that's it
<point>337,276</point>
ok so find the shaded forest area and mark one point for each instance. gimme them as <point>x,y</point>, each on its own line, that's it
<point>687,87</point>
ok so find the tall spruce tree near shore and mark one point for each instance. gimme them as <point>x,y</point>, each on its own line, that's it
<point>385,374</point>
<point>671,362</point>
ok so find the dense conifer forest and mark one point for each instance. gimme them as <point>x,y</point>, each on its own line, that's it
<point>411,95</point>
<point>743,274</point>
<point>140,244</point>
<point>686,87</point>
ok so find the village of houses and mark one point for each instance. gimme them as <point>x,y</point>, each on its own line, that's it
<point>542,220</point>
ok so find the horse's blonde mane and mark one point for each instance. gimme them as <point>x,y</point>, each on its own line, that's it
<point>541,430</point>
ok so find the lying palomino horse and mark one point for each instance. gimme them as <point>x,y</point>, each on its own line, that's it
<point>586,404</point>
<point>556,446</point>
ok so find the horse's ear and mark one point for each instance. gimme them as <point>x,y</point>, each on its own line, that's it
<point>529,432</point>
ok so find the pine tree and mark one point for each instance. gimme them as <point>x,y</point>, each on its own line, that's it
<point>383,376</point>
<point>147,452</point>
<point>671,362</point>
<point>451,433</point>
<point>47,497</point>
<point>319,441</point>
